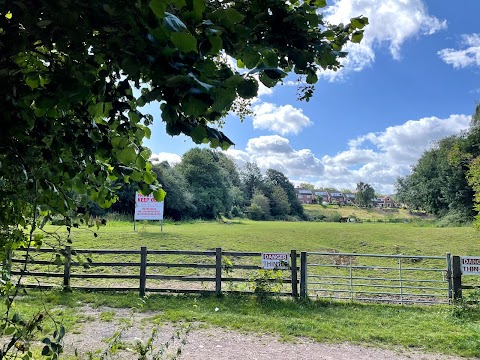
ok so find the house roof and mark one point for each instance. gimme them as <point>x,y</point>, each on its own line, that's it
<point>336,194</point>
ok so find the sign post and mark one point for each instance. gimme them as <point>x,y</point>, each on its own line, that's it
<point>147,208</point>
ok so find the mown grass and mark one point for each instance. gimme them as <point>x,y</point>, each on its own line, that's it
<point>246,235</point>
<point>429,328</point>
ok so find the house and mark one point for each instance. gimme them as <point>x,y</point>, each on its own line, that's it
<point>305,196</point>
<point>322,197</point>
<point>337,197</point>
<point>388,202</point>
<point>377,202</point>
<point>349,198</point>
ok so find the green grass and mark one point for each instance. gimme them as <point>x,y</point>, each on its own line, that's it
<point>254,236</point>
<point>429,328</point>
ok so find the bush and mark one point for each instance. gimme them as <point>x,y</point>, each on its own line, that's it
<point>455,218</point>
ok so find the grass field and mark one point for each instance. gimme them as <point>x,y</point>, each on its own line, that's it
<point>429,328</point>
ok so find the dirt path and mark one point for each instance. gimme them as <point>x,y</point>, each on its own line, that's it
<point>217,343</point>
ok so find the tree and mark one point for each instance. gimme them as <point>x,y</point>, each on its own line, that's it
<point>365,194</point>
<point>252,179</point>
<point>278,178</point>
<point>307,186</point>
<point>71,118</point>
<point>260,207</point>
<point>208,182</point>
<point>179,204</point>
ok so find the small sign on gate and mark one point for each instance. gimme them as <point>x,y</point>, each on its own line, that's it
<point>275,261</point>
<point>470,265</point>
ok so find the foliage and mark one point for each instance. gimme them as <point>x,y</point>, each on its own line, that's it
<point>180,201</point>
<point>443,180</point>
<point>364,195</point>
<point>266,282</point>
<point>259,208</point>
<point>70,73</point>
<point>209,183</point>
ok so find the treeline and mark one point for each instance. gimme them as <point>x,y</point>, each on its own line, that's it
<point>444,182</point>
<point>207,184</point>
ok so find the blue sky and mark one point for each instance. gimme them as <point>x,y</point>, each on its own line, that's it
<point>414,79</point>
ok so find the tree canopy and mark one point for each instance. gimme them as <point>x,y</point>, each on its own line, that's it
<point>76,74</point>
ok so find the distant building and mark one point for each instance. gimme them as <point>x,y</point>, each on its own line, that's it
<point>321,196</point>
<point>305,196</point>
<point>337,197</point>
<point>349,199</point>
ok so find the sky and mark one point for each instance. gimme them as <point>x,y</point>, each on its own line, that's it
<point>413,80</point>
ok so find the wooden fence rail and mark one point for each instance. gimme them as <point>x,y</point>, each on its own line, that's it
<point>144,261</point>
<point>217,271</point>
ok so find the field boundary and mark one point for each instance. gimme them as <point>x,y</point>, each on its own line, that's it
<point>344,276</point>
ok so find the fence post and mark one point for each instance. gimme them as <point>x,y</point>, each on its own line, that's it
<point>457,278</point>
<point>143,270</point>
<point>303,274</point>
<point>449,276</point>
<point>218,271</point>
<point>293,259</point>
<point>67,267</point>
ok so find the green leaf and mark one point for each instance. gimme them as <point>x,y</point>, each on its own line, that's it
<point>184,41</point>
<point>224,99</point>
<point>320,3</point>
<point>312,77</point>
<point>33,81</point>
<point>149,177</point>
<point>199,134</point>
<point>159,194</point>
<point>248,88</point>
<point>158,7</point>
<point>127,156</point>
<point>10,330</point>
<point>270,59</point>
<point>357,36</point>
<point>251,59</point>
<point>217,44</point>
<point>198,8</point>
<point>194,107</point>
<point>173,23</point>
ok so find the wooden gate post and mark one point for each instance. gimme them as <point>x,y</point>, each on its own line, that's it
<point>293,268</point>
<point>67,268</point>
<point>457,278</point>
<point>143,270</point>
<point>303,275</point>
<point>218,271</point>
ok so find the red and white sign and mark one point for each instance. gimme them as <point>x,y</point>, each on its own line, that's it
<point>470,265</point>
<point>147,208</point>
<point>275,261</point>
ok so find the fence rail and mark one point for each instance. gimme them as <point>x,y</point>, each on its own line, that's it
<point>377,277</point>
<point>347,276</point>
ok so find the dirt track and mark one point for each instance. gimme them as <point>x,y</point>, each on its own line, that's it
<point>217,343</point>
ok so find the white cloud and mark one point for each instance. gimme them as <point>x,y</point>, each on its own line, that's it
<point>280,119</point>
<point>391,23</point>
<point>379,158</point>
<point>172,159</point>
<point>469,56</point>
<point>374,158</point>
<point>275,152</point>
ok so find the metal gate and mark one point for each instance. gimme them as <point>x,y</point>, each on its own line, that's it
<point>373,277</point>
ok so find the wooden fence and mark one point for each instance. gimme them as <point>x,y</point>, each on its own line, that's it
<point>213,270</point>
<point>395,278</point>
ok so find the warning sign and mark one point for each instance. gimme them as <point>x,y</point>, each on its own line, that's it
<point>147,208</point>
<point>470,265</point>
<point>275,261</point>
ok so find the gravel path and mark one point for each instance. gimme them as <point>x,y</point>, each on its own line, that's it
<point>217,343</point>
